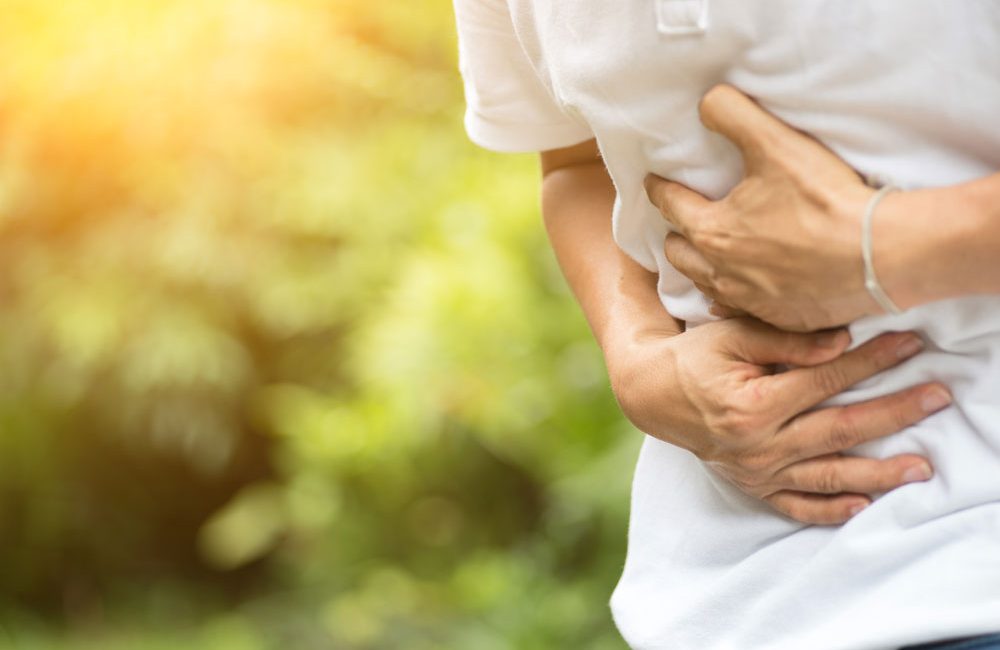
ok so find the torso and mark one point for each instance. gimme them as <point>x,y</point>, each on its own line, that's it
<point>905,90</point>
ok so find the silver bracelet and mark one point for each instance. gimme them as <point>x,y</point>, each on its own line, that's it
<point>871,280</point>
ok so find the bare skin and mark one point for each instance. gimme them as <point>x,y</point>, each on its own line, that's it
<point>785,244</point>
<point>711,390</point>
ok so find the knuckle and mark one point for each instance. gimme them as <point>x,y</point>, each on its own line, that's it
<point>828,480</point>
<point>844,432</point>
<point>710,239</point>
<point>797,431</point>
<point>735,422</point>
<point>707,290</point>
<point>830,379</point>
<point>879,356</point>
<point>755,467</point>
<point>794,448</point>
<point>700,237</point>
<point>743,413</point>
<point>748,482</point>
<point>671,245</point>
<point>729,425</point>
<point>730,416</point>
<point>761,395</point>
<point>752,483</point>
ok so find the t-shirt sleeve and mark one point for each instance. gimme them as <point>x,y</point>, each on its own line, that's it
<point>508,108</point>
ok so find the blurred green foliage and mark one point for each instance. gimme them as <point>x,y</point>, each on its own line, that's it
<point>284,360</point>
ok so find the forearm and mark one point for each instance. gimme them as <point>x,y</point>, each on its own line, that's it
<point>940,243</point>
<point>617,295</point>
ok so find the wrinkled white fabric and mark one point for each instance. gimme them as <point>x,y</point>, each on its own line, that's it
<point>904,90</point>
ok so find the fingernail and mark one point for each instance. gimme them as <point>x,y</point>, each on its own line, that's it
<point>934,400</point>
<point>909,346</point>
<point>919,472</point>
<point>832,340</point>
<point>858,508</point>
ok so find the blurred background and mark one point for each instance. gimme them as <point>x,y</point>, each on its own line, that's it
<point>285,362</point>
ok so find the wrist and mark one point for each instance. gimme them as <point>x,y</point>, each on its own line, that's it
<point>624,347</point>
<point>849,233</point>
<point>925,243</point>
<point>643,374</point>
<point>631,312</point>
<point>636,323</point>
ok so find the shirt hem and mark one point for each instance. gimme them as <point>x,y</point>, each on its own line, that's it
<point>523,138</point>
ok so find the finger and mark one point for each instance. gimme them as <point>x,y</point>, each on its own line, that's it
<point>818,509</point>
<point>729,112</point>
<point>764,344</point>
<point>807,387</point>
<point>685,258</point>
<point>720,310</point>
<point>836,474</point>
<point>708,291</point>
<point>678,205</point>
<point>839,428</point>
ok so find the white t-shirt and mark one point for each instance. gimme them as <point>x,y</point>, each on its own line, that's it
<point>905,90</point>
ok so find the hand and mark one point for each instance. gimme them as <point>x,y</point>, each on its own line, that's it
<point>711,390</point>
<point>785,244</point>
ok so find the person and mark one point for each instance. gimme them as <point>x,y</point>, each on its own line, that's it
<point>757,433</point>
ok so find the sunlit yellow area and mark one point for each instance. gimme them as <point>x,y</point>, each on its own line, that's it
<point>285,362</point>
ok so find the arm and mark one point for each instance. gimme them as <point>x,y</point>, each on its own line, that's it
<point>940,243</point>
<point>785,244</point>
<point>617,295</point>
<point>710,390</point>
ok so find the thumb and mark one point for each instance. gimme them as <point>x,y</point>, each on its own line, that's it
<point>730,113</point>
<point>766,345</point>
